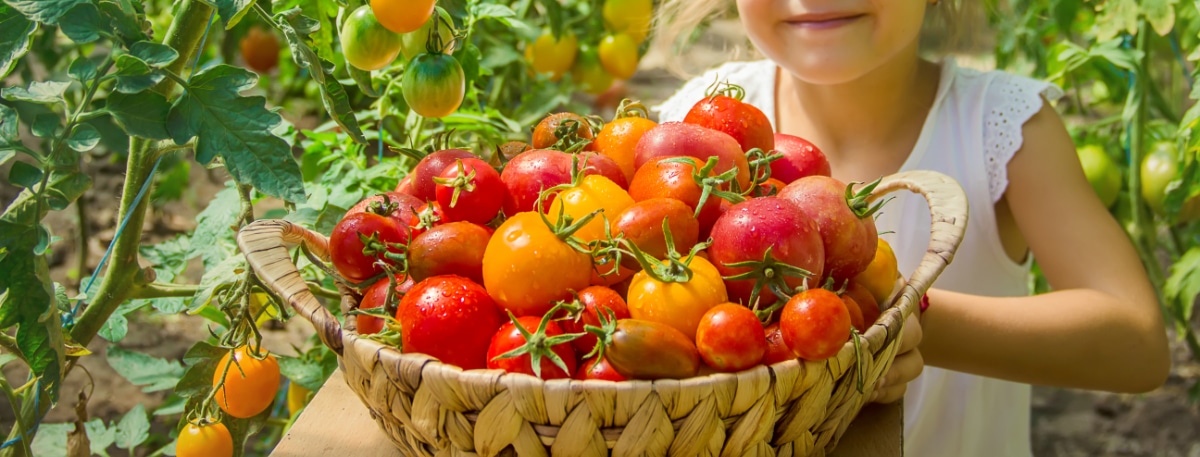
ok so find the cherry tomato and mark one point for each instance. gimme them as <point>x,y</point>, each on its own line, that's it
<point>730,338</point>
<point>593,300</point>
<point>800,159</point>
<point>403,16</point>
<point>631,17</point>
<point>648,350</point>
<point>619,55</point>
<point>1102,173</point>
<point>434,85</point>
<point>618,140</point>
<point>729,114</point>
<point>355,260</point>
<point>641,224</point>
<point>845,222</point>
<point>376,297</point>
<point>777,350</point>
<point>260,49</point>
<point>524,248</point>
<point>593,193</point>
<point>368,45</point>
<point>208,440</point>
<point>680,305</point>
<point>470,190</point>
<point>599,369</point>
<point>815,324</point>
<point>553,56</point>
<point>776,226</point>
<point>544,132</point>
<point>531,172</point>
<point>451,318</point>
<point>425,217</point>
<point>880,276</point>
<point>676,139</point>
<point>249,385</point>
<point>452,248</point>
<point>430,167</point>
<point>509,338</point>
<point>414,43</point>
<point>865,304</point>
<point>856,314</point>
<point>400,207</point>
<point>665,179</point>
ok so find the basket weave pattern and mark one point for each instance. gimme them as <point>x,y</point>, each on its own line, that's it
<point>429,408</point>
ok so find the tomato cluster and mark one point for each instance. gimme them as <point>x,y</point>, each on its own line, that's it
<point>629,250</point>
<point>596,66</point>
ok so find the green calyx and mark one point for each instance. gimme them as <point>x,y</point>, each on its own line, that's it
<point>859,202</point>
<point>385,207</point>
<point>676,269</point>
<point>710,185</point>
<point>760,171</point>
<point>604,333</point>
<point>771,274</point>
<point>464,181</point>
<point>566,225</point>
<point>569,140</point>
<point>725,88</point>
<point>631,108</point>
<point>538,345</point>
<point>427,218</point>
<point>607,251</point>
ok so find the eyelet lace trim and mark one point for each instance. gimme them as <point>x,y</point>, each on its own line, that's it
<point>1018,100</point>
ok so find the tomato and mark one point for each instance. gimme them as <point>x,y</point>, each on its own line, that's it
<point>405,185</point>
<point>297,398</point>
<point>355,260</point>
<point>865,306</point>
<point>844,219</point>
<point>631,17</point>
<point>249,385</point>
<point>531,172</point>
<point>451,318</point>
<point>414,43</point>
<point>777,350</point>
<point>880,276</point>
<point>800,159</point>
<point>400,207</point>
<point>1102,173</point>
<point>376,297</point>
<point>589,73</point>
<point>592,193</point>
<point>544,133</point>
<point>815,324</point>
<point>730,338</point>
<point>511,149</point>
<point>639,349</point>
<point>452,248</point>
<point>1159,168</point>
<point>599,369</point>
<point>727,113</point>
<point>367,44</point>
<point>680,304</point>
<point>403,16</point>
<point>743,237</point>
<point>425,217</point>
<point>260,49</point>
<point>856,314</point>
<point>547,347</point>
<point>618,139</point>
<point>677,180</point>
<point>674,139</point>
<point>430,167</point>
<point>434,85</point>
<point>641,224</point>
<point>550,55</point>
<point>470,190</point>
<point>527,266</point>
<point>204,440</point>
<point>593,301</point>
<point>619,55</point>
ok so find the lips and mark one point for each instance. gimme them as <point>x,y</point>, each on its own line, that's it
<point>824,20</point>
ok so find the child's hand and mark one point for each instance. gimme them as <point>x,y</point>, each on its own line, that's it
<point>905,368</point>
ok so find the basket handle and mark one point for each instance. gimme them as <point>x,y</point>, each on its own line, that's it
<point>948,209</point>
<point>264,243</point>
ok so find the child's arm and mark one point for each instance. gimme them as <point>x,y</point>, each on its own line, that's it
<point>1100,329</point>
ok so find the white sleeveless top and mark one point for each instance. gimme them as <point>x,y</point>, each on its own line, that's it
<point>970,134</point>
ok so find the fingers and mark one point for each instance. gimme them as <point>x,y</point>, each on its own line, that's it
<point>912,334</point>
<point>894,383</point>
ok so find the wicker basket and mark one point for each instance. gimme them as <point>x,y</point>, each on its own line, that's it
<point>791,408</point>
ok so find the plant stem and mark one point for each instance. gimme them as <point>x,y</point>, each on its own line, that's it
<point>9,344</point>
<point>1143,237</point>
<point>19,429</point>
<point>82,247</point>
<point>165,290</point>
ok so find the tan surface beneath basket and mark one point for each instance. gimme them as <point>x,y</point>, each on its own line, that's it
<point>336,424</point>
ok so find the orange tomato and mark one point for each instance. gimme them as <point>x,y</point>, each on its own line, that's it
<point>593,192</point>
<point>260,49</point>
<point>208,440</point>
<point>880,276</point>
<point>402,16</point>
<point>618,140</point>
<point>250,384</point>
<point>527,266</point>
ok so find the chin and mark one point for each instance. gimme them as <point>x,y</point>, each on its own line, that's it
<point>823,70</point>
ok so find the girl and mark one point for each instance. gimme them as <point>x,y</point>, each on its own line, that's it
<point>847,76</point>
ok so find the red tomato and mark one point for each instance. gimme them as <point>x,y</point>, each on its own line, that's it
<point>399,206</point>
<point>405,186</point>
<point>641,224</point>
<point>511,352</point>
<point>731,338</point>
<point>777,350</point>
<point>599,369</point>
<point>674,139</point>
<point>744,235</point>
<point>531,172</point>
<point>856,314</point>
<point>846,223</point>
<point>376,297</point>
<point>451,318</point>
<point>815,324</point>
<point>742,121</point>
<point>800,159</point>
<point>430,167</point>
<point>866,303</point>
<point>592,300</point>
<point>346,249</point>
<point>425,217</point>
<point>470,190</point>
<point>664,179</point>
<point>454,248</point>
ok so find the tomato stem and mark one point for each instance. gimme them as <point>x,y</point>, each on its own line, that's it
<point>859,201</point>
<point>709,185</point>
<point>463,181</point>
<point>631,108</point>
<point>771,274</point>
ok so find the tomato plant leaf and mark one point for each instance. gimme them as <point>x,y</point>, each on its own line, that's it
<point>134,428</point>
<point>135,75</point>
<point>151,373</point>
<point>143,114</point>
<point>1183,187</point>
<point>173,405</point>
<point>197,381</point>
<point>82,69</point>
<point>213,238</point>
<point>66,187</point>
<point>231,11</point>
<point>307,372</point>
<point>554,12</point>
<point>490,11</point>
<point>9,134</point>
<point>15,30</point>
<point>333,95</point>
<point>469,59</point>
<point>43,92</point>
<point>101,436</point>
<point>1117,16</point>
<point>1160,14</point>
<point>83,138</point>
<point>82,23</point>
<point>47,11</point>
<point>115,328</point>
<point>242,429</point>
<point>169,260</point>
<point>237,128</point>
<point>6,155</point>
<point>51,440</point>
<point>1183,286</point>
<point>153,54</point>
<point>46,125</point>
<point>171,185</point>
<point>229,270</point>
<point>124,23</point>
<point>25,175</point>
<point>27,300</point>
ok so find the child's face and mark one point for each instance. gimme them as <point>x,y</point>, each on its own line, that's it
<point>832,41</point>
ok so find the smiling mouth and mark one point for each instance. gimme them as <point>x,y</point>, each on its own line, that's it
<point>824,21</point>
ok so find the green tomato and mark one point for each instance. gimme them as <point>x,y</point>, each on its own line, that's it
<point>589,73</point>
<point>414,43</point>
<point>367,44</point>
<point>1158,170</point>
<point>434,85</point>
<point>1102,173</point>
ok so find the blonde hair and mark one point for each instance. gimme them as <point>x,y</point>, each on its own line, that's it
<point>678,24</point>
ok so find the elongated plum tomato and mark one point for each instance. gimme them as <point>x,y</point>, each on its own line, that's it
<point>509,338</point>
<point>346,247</point>
<point>618,140</point>
<point>207,440</point>
<point>249,386</point>
<point>527,267</point>
<point>639,349</point>
<point>800,159</point>
<point>451,318</point>
<point>674,139</point>
<point>376,297</point>
<point>641,224</point>
<point>619,55</point>
<point>531,172</point>
<point>744,122</point>
<point>815,324</point>
<point>678,304</point>
<point>451,248</point>
<point>593,301</point>
<point>368,45</point>
<point>434,85</point>
<point>415,42</point>
<point>593,193</point>
<point>730,338</point>
<point>470,190</point>
<point>430,167</point>
<point>849,234</point>
<point>403,16</point>
<point>748,230</point>
<point>599,369</point>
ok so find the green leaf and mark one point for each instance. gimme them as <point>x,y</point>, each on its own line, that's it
<point>27,300</point>
<point>134,75</point>
<point>213,239</point>
<point>173,405</point>
<point>242,429</point>
<point>232,11</point>
<point>228,271</point>
<point>66,187</point>
<point>238,129</point>
<point>152,373</point>
<point>1160,14</point>
<point>134,428</point>
<point>47,11</point>
<point>6,155</point>
<point>469,59</point>
<point>6,358</point>
<point>203,359</point>
<point>82,69</point>
<point>333,95</point>
<point>9,134</point>
<point>169,260</point>
<point>1117,16</point>
<point>117,326</point>
<point>142,114</point>
<point>83,138</point>
<point>491,10</point>
<point>25,175</point>
<point>123,22</point>
<point>82,24</point>
<point>43,92</point>
<point>1183,286</point>
<point>46,125</point>
<point>154,54</point>
<point>363,78</point>
<point>499,56</point>
<point>171,185</point>
<point>101,437</point>
<point>51,440</point>
<point>15,30</point>
<point>554,11</point>
<point>308,373</point>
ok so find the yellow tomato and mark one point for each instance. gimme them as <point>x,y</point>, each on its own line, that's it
<point>619,55</point>
<point>678,304</point>
<point>631,17</point>
<point>590,74</point>
<point>556,57</point>
<point>593,192</point>
<point>880,276</point>
<point>297,397</point>
<point>207,440</point>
